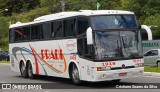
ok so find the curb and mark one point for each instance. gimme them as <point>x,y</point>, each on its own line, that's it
<point>154,74</point>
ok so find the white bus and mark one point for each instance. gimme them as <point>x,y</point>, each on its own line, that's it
<point>89,45</point>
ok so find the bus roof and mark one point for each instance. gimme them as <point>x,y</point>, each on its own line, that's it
<point>62,15</point>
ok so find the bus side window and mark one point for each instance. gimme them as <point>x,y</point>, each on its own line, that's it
<point>82,25</point>
<point>84,49</point>
<point>88,49</point>
<point>35,32</point>
<point>80,46</point>
<point>52,29</point>
<point>18,34</point>
<point>58,29</point>
<point>70,27</point>
<point>26,33</point>
<point>41,33</point>
<point>12,35</point>
<point>46,30</point>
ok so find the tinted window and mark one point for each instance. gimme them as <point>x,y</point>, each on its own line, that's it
<point>82,25</point>
<point>152,53</point>
<point>57,29</point>
<point>12,35</point>
<point>88,49</point>
<point>46,30</point>
<point>155,52</point>
<point>69,27</point>
<point>26,33</point>
<point>35,32</point>
<point>80,46</point>
<point>113,22</point>
<point>18,34</point>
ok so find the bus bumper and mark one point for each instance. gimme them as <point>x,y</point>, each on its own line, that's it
<point>118,74</point>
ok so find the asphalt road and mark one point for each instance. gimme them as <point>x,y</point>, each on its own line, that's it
<point>65,85</point>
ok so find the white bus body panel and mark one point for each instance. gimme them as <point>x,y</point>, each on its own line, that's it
<point>59,68</point>
<point>89,70</point>
<point>51,65</point>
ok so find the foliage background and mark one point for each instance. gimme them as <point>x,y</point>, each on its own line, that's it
<point>147,11</point>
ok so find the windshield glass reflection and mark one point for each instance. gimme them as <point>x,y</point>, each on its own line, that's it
<point>117,44</point>
<point>113,22</point>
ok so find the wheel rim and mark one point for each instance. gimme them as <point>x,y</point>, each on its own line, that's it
<point>75,74</point>
<point>22,69</point>
<point>30,70</point>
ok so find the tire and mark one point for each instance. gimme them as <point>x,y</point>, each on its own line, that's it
<point>23,70</point>
<point>158,64</point>
<point>30,71</point>
<point>116,81</point>
<point>75,75</point>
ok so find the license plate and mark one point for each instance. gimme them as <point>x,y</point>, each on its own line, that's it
<point>123,74</point>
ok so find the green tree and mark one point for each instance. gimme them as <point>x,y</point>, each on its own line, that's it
<point>18,6</point>
<point>91,4</point>
<point>76,5</point>
<point>110,4</point>
<point>3,4</point>
<point>4,23</point>
<point>142,8</point>
<point>29,16</point>
<point>53,5</point>
<point>154,22</point>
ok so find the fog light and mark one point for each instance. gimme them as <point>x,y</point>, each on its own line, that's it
<point>103,68</point>
<point>99,69</point>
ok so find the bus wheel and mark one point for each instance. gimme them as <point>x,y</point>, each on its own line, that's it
<point>30,70</point>
<point>75,75</point>
<point>23,70</point>
<point>116,81</point>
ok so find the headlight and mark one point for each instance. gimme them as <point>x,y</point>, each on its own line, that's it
<point>103,68</point>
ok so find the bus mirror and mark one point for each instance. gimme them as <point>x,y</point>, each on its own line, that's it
<point>89,36</point>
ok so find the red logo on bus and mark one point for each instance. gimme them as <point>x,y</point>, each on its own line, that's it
<point>52,54</point>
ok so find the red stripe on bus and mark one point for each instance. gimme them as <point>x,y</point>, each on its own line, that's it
<point>36,62</point>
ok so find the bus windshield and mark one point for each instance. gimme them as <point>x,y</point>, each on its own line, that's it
<point>113,22</point>
<point>117,44</point>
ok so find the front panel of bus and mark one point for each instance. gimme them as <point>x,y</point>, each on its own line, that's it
<point>117,47</point>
